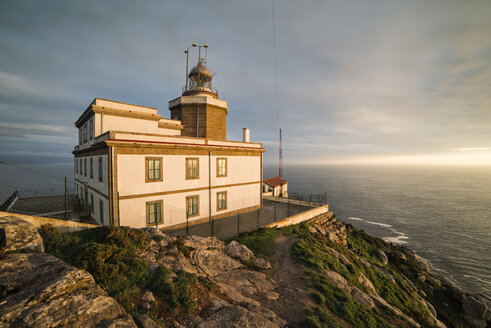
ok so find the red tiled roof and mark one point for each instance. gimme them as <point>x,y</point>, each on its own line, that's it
<point>275,181</point>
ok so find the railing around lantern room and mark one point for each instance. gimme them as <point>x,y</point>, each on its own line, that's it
<point>195,88</point>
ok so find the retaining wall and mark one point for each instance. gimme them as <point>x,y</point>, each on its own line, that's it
<point>60,225</point>
<point>300,217</point>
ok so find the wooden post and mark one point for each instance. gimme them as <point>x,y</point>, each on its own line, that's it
<point>238,224</point>
<point>66,201</point>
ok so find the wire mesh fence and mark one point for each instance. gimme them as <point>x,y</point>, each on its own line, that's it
<point>40,190</point>
<point>272,211</point>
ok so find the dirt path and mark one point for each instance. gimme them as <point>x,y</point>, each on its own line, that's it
<point>294,295</point>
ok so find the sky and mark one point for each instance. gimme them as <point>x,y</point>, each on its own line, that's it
<point>398,82</point>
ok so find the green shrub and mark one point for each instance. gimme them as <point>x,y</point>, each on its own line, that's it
<point>54,242</point>
<point>175,291</point>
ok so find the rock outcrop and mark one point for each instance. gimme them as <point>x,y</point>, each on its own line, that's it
<point>21,235</point>
<point>38,290</point>
<point>327,225</point>
<point>237,301</point>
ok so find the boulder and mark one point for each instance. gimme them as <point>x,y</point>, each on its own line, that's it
<point>485,300</point>
<point>261,263</point>
<point>338,280</point>
<point>474,308</point>
<point>144,321</point>
<point>364,281</point>
<point>232,295</point>
<point>380,302</point>
<point>177,263</point>
<point>238,251</point>
<point>215,305</point>
<point>421,263</point>
<point>382,257</point>
<point>363,298</point>
<point>319,228</point>
<point>237,317</point>
<point>22,236</point>
<point>431,308</point>
<point>147,300</point>
<point>341,258</point>
<point>364,262</point>
<point>42,291</point>
<point>474,322</point>
<point>248,283</point>
<point>165,240</point>
<point>213,262</point>
<point>197,242</point>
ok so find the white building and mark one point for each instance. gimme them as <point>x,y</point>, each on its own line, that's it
<point>135,168</point>
<point>276,187</point>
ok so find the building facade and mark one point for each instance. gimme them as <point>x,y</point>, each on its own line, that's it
<point>276,187</point>
<point>135,168</point>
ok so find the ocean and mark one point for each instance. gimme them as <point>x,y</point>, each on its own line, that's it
<point>442,213</point>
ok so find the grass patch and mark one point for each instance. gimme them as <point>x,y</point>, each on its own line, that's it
<point>261,241</point>
<point>108,253</point>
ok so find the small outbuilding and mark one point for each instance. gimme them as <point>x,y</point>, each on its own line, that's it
<point>276,187</point>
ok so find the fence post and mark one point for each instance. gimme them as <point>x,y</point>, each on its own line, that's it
<point>119,219</point>
<point>66,201</point>
<point>288,208</point>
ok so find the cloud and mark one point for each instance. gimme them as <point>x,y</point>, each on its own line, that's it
<point>384,79</point>
<point>473,149</point>
<point>22,130</point>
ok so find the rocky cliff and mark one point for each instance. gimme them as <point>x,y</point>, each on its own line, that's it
<point>318,274</point>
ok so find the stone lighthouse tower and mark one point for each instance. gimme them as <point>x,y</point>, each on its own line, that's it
<point>200,111</point>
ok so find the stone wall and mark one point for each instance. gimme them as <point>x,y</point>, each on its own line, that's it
<point>60,225</point>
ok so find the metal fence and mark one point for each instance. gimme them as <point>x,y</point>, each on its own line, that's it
<point>272,211</point>
<point>40,191</point>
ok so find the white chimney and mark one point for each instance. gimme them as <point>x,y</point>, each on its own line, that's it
<point>246,135</point>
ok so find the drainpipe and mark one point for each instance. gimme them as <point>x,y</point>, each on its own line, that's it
<point>111,186</point>
<point>209,192</point>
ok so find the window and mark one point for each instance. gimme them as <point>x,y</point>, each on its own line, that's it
<point>101,211</point>
<point>192,206</point>
<point>154,212</point>
<point>76,165</point>
<point>92,203</point>
<point>192,168</point>
<point>100,169</point>
<point>92,168</point>
<point>153,169</point>
<point>91,129</point>
<point>80,135</point>
<point>80,166</point>
<point>85,133</point>
<point>221,167</point>
<point>221,200</point>
<point>85,166</point>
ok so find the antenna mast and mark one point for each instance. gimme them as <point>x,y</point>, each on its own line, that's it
<point>280,164</point>
<point>280,169</point>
